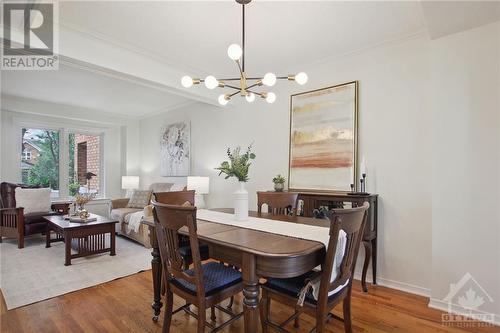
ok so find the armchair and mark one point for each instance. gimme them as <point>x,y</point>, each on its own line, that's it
<point>14,223</point>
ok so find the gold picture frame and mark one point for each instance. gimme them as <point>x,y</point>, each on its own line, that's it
<point>323,141</point>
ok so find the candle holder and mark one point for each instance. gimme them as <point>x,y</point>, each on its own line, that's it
<point>362,187</point>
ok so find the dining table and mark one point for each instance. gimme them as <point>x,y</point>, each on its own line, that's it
<point>258,254</point>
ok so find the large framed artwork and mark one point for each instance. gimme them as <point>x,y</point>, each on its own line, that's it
<point>323,138</point>
<point>175,149</point>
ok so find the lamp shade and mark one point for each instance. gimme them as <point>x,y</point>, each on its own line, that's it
<point>130,182</point>
<point>199,184</point>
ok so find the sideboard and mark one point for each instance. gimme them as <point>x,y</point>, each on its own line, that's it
<point>315,200</point>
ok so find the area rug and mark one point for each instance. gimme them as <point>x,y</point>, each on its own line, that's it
<point>36,273</point>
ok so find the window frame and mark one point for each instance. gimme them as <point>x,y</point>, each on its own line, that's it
<point>64,131</point>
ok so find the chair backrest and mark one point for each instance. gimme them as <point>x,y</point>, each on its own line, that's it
<point>175,197</point>
<point>8,193</point>
<point>168,220</point>
<point>352,221</point>
<point>278,203</point>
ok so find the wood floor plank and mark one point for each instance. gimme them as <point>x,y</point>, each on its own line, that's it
<point>123,305</point>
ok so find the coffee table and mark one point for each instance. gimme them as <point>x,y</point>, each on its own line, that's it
<point>86,238</point>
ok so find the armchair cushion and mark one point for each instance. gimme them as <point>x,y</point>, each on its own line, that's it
<point>32,218</point>
<point>33,200</point>
<point>139,199</point>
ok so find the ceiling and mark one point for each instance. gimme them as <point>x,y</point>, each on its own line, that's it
<point>281,36</point>
<point>192,37</point>
<point>83,88</point>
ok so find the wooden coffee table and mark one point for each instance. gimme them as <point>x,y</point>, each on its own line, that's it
<point>86,238</point>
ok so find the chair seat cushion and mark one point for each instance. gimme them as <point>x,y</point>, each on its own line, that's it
<point>293,286</point>
<point>216,277</point>
<point>32,218</point>
<point>185,252</point>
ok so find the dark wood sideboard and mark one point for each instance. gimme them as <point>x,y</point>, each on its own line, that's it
<point>314,200</point>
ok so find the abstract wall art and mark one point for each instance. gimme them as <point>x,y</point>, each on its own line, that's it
<point>175,150</point>
<point>323,138</point>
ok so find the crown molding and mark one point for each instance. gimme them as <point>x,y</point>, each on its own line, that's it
<point>151,54</point>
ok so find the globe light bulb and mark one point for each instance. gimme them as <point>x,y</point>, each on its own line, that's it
<point>223,100</point>
<point>271,97</point>
<point>187,81</point>
<point>211,82</point>
<point>234,51</point>
<point>301,78</point>
<point>250,97</point>
<point>269,79</point>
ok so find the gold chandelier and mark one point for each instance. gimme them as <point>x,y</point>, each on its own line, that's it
<point>247,85</point>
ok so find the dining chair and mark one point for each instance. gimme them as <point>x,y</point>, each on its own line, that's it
<point>331,293</point>
<point>278,203</point>
<point>205,285</point>
<point>180,198</point>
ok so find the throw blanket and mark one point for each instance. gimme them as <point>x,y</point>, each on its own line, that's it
<point>134,221</point>
<point>290,229</point>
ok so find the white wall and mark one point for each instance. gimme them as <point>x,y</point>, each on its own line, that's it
<point>394,138</point>
<point>465,171</point>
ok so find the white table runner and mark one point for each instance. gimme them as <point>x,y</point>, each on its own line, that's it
<point>290,229</point>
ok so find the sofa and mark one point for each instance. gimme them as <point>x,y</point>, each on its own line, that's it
<point>125,215</point>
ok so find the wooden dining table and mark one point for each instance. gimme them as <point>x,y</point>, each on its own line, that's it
<point>258,254</point>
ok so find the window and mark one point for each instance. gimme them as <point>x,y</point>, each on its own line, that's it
<point>26,155</point>
<point>40,158</point>
<point>68,162</point>
<point>84,163</point>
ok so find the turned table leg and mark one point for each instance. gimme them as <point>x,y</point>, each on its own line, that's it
<point>156,270</point>
<point>250,293</point>
<point>368,255</point>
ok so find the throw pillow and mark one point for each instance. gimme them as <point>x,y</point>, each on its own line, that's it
<point>34,200</point>
<point>139,199</point>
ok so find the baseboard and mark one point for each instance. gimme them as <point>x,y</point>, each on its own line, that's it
<point>456,309</point>
<point>406,287</point>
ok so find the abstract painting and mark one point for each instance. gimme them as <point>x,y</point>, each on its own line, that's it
<point>323,138</point>
<point>175,150</point>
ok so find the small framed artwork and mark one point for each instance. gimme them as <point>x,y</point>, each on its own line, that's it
<point>324,138</point>
<point>175,154</point>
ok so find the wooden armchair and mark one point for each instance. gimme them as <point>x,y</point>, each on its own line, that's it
<point>331,293</point>
<point>205,285</point>
<point>278,203</point>
<point>14,223</point>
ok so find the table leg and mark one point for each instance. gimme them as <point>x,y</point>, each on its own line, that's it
<point>374,260</point>
<point>156,269</point>
<point>67,245</point>
<point>368,254</point>
<point>112,241</point>
<point>250,293</point>
<point>47,237</point>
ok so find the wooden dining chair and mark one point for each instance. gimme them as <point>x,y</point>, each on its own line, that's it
<point>180,198</point>
<point>286,291</point>
<point>205,285</point>
<point>278,203</point>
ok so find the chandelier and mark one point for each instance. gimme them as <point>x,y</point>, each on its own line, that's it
<point>243,85</point>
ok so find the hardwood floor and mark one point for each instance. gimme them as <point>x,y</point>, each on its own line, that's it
<point>123,305</point>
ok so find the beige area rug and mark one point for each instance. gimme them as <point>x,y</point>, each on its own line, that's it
<point>36,273</point>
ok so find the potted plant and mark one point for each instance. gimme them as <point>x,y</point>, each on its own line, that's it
<point>279,183</point>
<point>237,167</point>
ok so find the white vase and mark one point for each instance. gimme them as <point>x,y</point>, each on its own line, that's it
<point>241,203</point>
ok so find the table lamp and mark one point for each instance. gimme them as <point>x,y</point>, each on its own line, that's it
<point>201,187</point>
<point>130,183</point>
